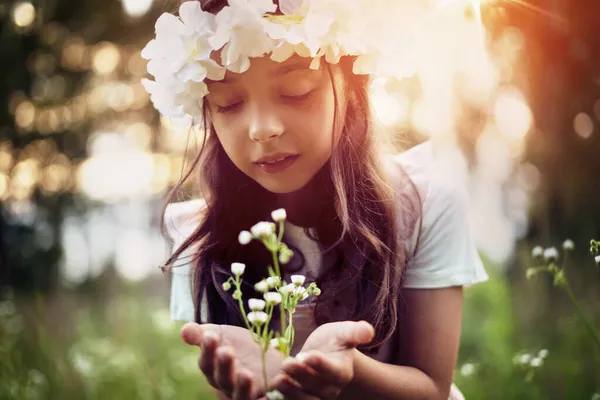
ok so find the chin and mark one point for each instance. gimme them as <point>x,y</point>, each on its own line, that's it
<point>282,184</point>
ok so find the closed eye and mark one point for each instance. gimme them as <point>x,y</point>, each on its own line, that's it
<point>228,108</point>
<point>299,98</point>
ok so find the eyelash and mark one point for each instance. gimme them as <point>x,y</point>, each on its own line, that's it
<point>301,98</point>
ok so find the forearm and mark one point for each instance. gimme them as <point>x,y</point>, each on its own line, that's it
<point>381,381</point>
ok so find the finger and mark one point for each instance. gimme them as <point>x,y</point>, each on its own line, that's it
<point>207,356</point>
<point>225,369</point>
<point>243,386</point>
<point>290,389</point>
<point>311,382</point>
<point>327,369</point>
<point>353,334</point>
<point>193,333</point>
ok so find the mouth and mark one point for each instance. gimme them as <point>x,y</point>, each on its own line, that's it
<point>276,162</point>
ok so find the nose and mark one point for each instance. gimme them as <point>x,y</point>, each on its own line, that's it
<point>265,124</point>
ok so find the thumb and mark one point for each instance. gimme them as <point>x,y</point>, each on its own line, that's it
<point>354,333</point>
<point>194,334</point>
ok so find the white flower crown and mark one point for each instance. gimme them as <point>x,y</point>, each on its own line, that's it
<point>180,55</point>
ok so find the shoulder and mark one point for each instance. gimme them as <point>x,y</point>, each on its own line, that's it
<point>442,245</point>
<point>182,218</point>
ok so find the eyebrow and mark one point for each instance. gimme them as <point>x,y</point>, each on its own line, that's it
<point>277,72</point>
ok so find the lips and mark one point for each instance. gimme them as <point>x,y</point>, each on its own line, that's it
<point>276,162</point>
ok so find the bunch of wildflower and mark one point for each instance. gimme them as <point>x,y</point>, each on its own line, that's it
<point>530,362</point>
<point>550,256</point>
<point>198,45</point>
<point>276,293</point>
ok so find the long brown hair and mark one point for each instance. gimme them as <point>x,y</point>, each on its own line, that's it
<point>357,223</point>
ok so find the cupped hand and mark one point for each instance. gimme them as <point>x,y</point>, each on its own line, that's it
<point>231,360</point>
<point>324,366</point>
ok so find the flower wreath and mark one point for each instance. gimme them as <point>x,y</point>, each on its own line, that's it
<point>180,54</point>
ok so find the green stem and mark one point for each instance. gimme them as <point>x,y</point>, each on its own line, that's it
<point>291,335</point>
<point>241,303</point>
<point>589,326</point>
<point>264,368</point>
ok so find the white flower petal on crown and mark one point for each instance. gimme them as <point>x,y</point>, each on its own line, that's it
<point>214,71</point>
<point>283,52</point>
<point>364,64</point>
<point>192,72</point>
<point>315,63</point>
<point>168,24</point>
<point>289,7</point>
<point>194,18</point>
<point>263,6</point>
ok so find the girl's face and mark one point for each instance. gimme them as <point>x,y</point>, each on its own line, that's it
<point>275,121</point>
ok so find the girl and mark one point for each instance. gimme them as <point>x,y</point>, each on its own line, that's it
<point>386,238</point>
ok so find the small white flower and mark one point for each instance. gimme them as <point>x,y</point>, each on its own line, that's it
<point>244,237</point>
<point>551,254</point>
<point>256,304</point>
<point>273,281</point>
<point>537,252</point>
<point>597,259</point>
<point>274,343</point>
<point>536,362</point>
<point>298,280</point>
<point>568,245</point>
<point>272,298</point>
<point>262,229</point>
<point>467,369</point>
<point>261,286</point>
<point>279,215</point>
<point>524,359</point>
<point>285,290</point>
<point>257,317</point>
<point>237,268</point>
<point>275,395</point>
<point>302,292</point>
<point>543,353</point>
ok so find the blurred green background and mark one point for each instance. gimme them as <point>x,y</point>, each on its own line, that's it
<point>85,164</point>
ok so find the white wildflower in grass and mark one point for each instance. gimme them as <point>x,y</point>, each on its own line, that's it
<point>279,215</point>
<point>256,304</point>
<point>263,229</point>
<point>237,268</point>
<point>467,369</point>
<point>244,237</point>
<point>596,396</point>
<point>537,252</point>
<point>536,362</point>
<point>273,281</point>
<point>551,255</point>
<point>543,353</point>
<point>524,359</point>
<point>272,298</point>
<point>261,286</point>
<point>275,395</point>
<point>568,245</point>
<point>298,280</point>
<point>257,317</point>
<point>597,259</point>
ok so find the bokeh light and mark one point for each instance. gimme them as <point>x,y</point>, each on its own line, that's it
<point>24,14</point>
<point>136,8</point>
<point>106,58</point>
<point>583,125</point>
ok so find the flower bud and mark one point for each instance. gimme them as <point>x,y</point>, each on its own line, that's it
<point>237,268</point>
<point>237,295</point>
<point>257,317</point>
<point>551,255</point>
<point>226,286</point>
<point>568,245</point>
<point>261,286</point>
<point>263,229</point>
<point>244,237</point>
<point>285,257</point>
<point>537,252</point>
<point>272,298</point>
<point>317,291</point>
<point>256,304</point>
<point>273,281</point>
<point>531,272</point>
<point>279,215</point>
<point>298,280</point>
